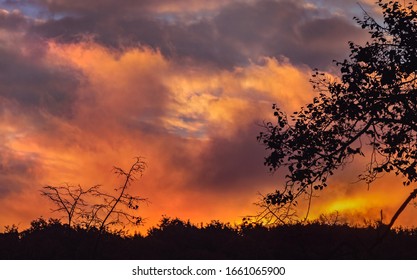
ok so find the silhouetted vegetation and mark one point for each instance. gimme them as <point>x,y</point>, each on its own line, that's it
<point>95,211</point>
<point>178,239</point>
<point>94,208</point>
<point>370,110</point>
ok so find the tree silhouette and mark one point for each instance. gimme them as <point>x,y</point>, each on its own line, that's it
<point>70,200</point>
<point>371,110</point>
<point>112,211</point>
<point>94,208</point>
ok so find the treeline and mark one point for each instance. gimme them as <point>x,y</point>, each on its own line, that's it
<point>178,239</point>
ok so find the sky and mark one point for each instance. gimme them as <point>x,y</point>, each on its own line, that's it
<point>88,85</point>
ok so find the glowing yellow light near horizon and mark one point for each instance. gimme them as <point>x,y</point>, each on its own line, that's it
<point>347,204</point>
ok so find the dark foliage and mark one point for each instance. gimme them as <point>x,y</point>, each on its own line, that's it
<point>371,110</point>
<point>177,239</point>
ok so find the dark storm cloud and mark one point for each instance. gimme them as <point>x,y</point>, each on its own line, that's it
<point>238,32</point>
<point>231,164</point>
<point>92,7</point>
<point>330,44</point>
<point>30,80</point>
<point>12,20</point>
<point>275,28</point>
<point>17,172</point>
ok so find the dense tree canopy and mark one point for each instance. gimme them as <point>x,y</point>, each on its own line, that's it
<point>370,110</point>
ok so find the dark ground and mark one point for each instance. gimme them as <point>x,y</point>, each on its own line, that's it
<point>176,239</point>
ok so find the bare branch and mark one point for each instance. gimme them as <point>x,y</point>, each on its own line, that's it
<point>95,208</point>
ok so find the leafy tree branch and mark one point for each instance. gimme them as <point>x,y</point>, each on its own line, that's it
<point>372,104</point>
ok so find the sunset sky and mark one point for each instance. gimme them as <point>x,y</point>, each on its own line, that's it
<point>88,85</point>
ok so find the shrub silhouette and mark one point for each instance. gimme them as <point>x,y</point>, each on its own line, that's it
<point>178,239</point>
